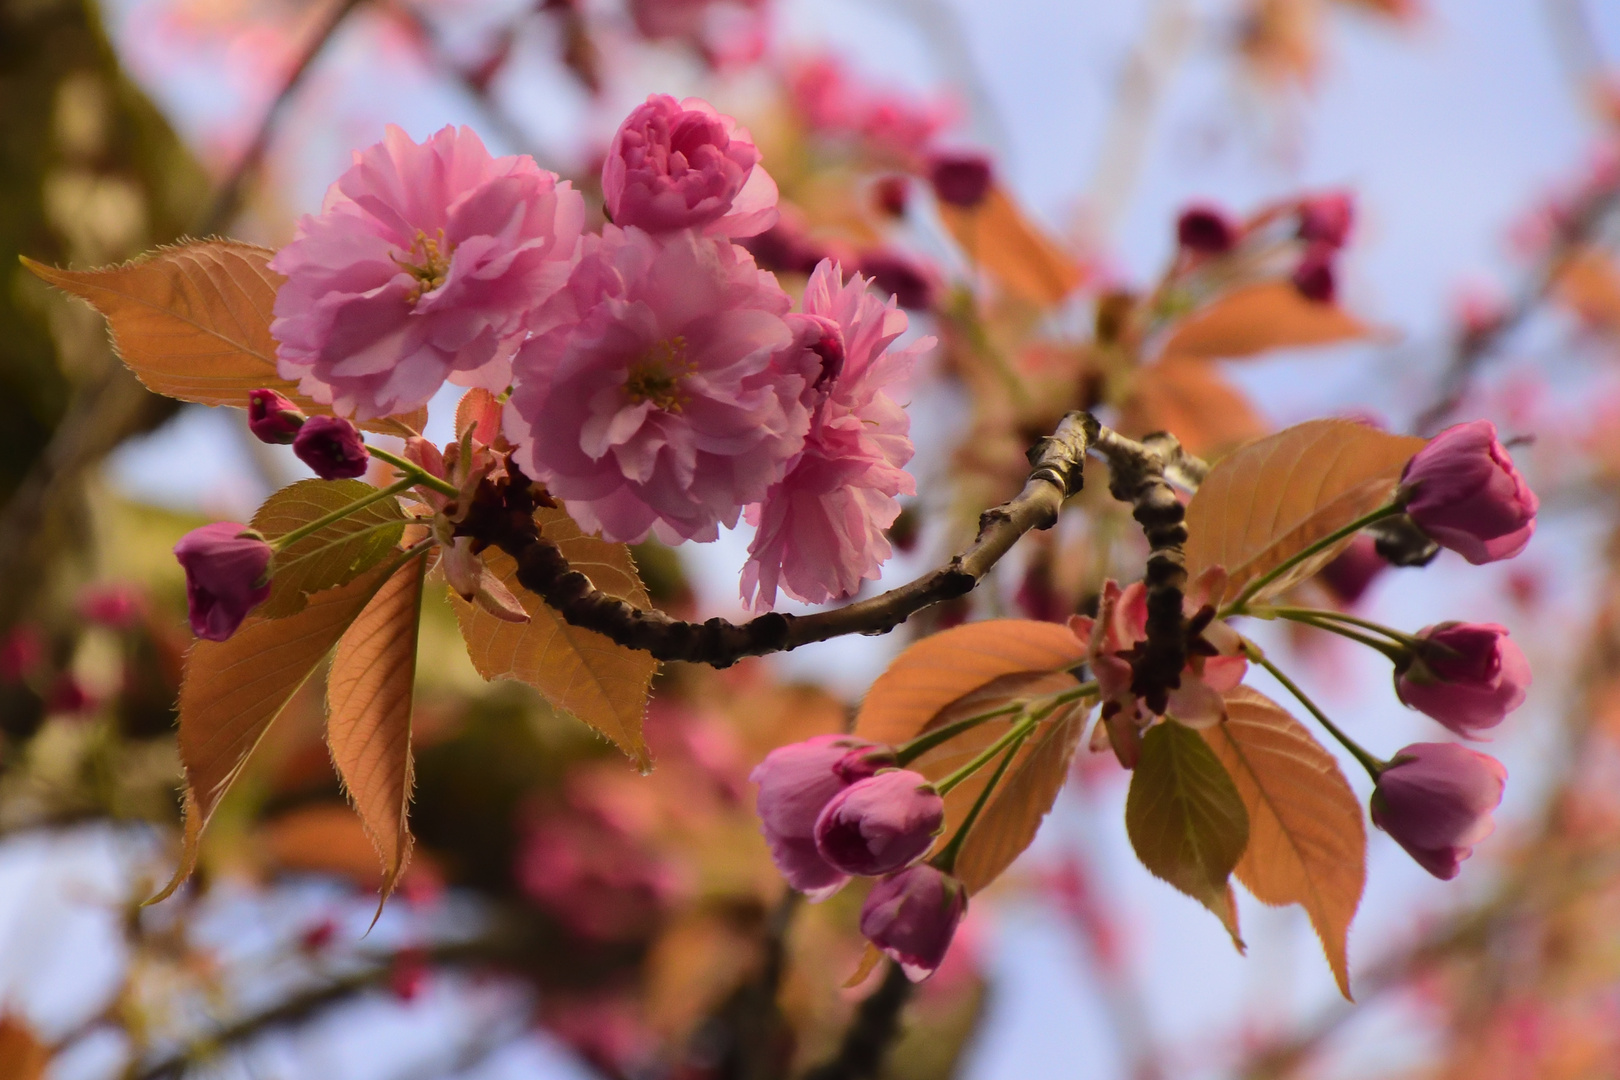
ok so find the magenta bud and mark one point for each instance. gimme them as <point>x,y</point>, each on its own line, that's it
<point>857,765</point>
<point>1206,229</point>
<point>910,283</point>
<point>960,179</point>
<point>1468,676</point>
<point>796,782</point>
<point>1326,219</point>
<point>912,917</point>
<point>1435,800</point>
<point>1463,490</point>
<point>273,418</point>
<point>225,565</point>
<point>1314,276</point>
<point>892,195</point>
<point>881,823</point>
<point>1349,575</point>
<point>332,447</point>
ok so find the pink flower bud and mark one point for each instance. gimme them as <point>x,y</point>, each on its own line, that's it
<point>273,418</point>
<point>1206,229</point>
<point>1463,490</point>
<point>332,447</point>
<point>960,179</point>
<point>1436,801</point>
<point>911,284</point>
<point>912,917</point>
<point>881,823</point>
<point>676,165</point>
<point>1326,219</point>
<point>116,605</point>
<point>225,566</point>
<point>892,194</point>
<point>795,783</point>
<point>1349,575</point>
<point>22,653</point>
<point>1469,677</point>
<point>1314,276</point>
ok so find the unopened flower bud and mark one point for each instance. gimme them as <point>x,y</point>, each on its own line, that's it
<point>225,566</point>
<point>881,823</point>
<point>1205,229</point>
<point>1326,219</point>
<point>332,447</point>
<point>912,284</point>
<point>892,194</point>
<point>1349,575</point>
<point>1314,276</point>
<point>960,179</point>
<point>1468,676</point>
<point>912,917</point>
<point>1463,490</point>
<point>1436,800</point>
<point>273,418</point>
<point>795,783</point>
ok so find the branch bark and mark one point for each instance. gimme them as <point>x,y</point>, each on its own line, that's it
<point>876,1024</point>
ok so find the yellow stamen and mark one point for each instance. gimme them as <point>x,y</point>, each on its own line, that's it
<point>657,376</point>
<point>431,265</point>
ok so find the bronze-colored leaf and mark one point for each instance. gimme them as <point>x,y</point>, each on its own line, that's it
<point>946,667</point>
<point>333,555</point>
<point>1186,819</point>
<point>579,671</point>
<point>368,727</point>
<point>1258,318</point>
<point>232,690</point>
<point>1307,841</point>
<point>23,1056</point>
<point>1590,284</point>
<point>1190,399</point>
<point>1272,498</point>
<point>1016,252</point>
<point>193,322</point>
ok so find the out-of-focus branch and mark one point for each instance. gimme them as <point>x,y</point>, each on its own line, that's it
<point>873,1031</point>
<point>229,198</point>
<point>1474,346</point>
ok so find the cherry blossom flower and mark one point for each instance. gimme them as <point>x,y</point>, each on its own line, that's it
<point>796,782</point>
<point>421,266</point>
<point>820,531</point>
<point>669,405</point>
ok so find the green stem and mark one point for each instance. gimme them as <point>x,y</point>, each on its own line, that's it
<point>1394,652</point>
<point>419,474</point>
<point>908,752</point>
<point>1368,762</point>
<point>281,543</point>
<point>1344,617</point>
<point>1019,730</point>
<point>1239,606</point>
<point>946,859</point>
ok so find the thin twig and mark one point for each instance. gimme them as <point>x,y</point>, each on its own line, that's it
<point>876,1024</point>
<point>229,199</point>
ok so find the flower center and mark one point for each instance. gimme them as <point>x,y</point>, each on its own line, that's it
<point>429,263</point>
<point>657,376</point>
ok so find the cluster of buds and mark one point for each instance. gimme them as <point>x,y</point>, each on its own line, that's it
<point>835,807</point>
<point>330,445</point>
<point>1319,225</point>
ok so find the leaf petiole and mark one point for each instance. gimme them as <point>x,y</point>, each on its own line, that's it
<point>1240,605</point>
<point>415,473</point>
<point>1373,766</point>
<point>946,859</point>
<point>286,540</point>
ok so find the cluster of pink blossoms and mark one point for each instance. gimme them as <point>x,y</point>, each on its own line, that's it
<point>660,382</point>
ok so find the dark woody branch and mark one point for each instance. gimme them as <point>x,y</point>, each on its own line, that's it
<point>504,517</point>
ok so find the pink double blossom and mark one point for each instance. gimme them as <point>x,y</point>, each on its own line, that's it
<point>673,401</point>
<point>820,530</point>
<point>676,165</point>
<point>421,267</point>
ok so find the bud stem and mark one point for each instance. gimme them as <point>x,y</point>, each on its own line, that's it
<point>1368,761</point>
<point>416,473</point>
<point>1240,605</point>
<point>281,543</point>
<point>908,752</point>
<point>945,861</point>
<point>1321,621</point>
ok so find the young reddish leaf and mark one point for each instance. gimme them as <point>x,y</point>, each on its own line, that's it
<point>193,322</point>
<point>1189,397</point>
<point>479,409</point>
<point>1021,801</point>
<point>1186,819</point>
<point>1016,252</point>
<point>330,556</point>
<point>231,691</point>
<point>945,667</point>
<point>22,1055</point>
<point>1276,496</point>
<point>870,959</point>
<point>368,727</point>
<point>1307,841</point>
<point>578,671</point>
<point>1257,318</point>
